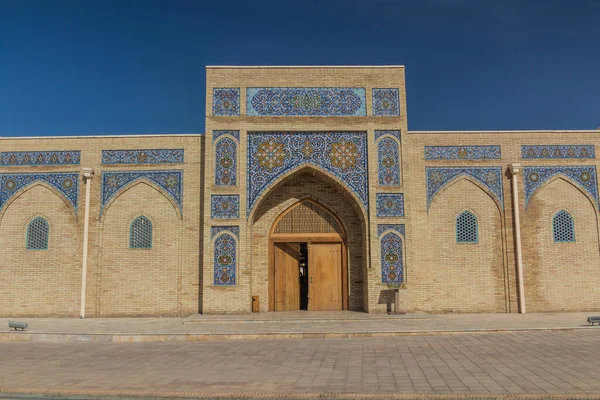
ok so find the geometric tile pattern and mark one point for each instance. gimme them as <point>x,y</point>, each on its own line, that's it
<point>226,102</point>
<point>488,177</point>
<point>272,154</point>
<point>40,158</point>
<point>394,133</point>
<point>390,227</point>
<point>171,181</point>
<point>214,230</point>
<point>37,234</point>
<point>390,205</point>
<point>225,260</point>
<point>557,151</point>
<point>295,102</point>
<point>140,233</point>
<point>392,270</point>
<point>462,152</point>
<point>226,162</point>
<point>386,102</point>
<point>66,183</point>
<point>583,176</point>
<point>225,206</point>
<point>563,227</point>
<point>466,228</point>
<point>218,134</point>
<point>388,159</point>
<point>147,156</point>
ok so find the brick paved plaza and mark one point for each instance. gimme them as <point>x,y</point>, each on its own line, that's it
<point>543,363</point>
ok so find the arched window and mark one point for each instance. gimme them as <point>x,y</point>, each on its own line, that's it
<point>38,231</point>
<point>140,234</point>
<point>563,227</point>
<point>466,228</point>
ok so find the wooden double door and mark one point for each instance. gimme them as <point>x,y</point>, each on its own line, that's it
<point>308,275</point>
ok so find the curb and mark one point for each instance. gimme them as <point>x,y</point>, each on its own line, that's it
<point>157,394</point>
<point>203,337</point>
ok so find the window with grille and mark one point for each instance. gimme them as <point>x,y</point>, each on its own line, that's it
<point>37,234</point>
<point>563,227</point>
<point>466,228</point>
<point>141,233</point>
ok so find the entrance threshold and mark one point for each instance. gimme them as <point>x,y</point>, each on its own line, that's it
<point>300,316</point>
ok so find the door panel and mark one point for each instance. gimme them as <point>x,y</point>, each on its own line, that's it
<point>325,276</point>
<point>287,275</point>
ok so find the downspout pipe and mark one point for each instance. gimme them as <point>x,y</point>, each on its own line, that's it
<point>88,173</point>
<point>514,170</point>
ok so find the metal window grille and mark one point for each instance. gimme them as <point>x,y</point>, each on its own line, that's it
<point>141,233</point>
<point>37,234</point>
<point>563,227</point>
<point>466,228</point>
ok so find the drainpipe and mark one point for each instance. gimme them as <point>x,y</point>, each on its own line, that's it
<point>88,173</point>
<point>514,170</point>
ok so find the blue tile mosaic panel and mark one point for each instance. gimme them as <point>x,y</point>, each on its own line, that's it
<point>225,206</point>
<point>393,133</point>
<point>390,204</point>
<point>226,162</point>
<point>215,230</point>
<point>386,102</point>
<point>65,183</point>
<point>226,102</point>
<point>272,154</point>
<point>388,162</point>
<point>392,268</point>
<point>218,134</point>
<point>146,156</point>
<point>305,102</point>
<point>583,176</point>
<point>488,177</point>
<point>399,228</point>
<point>225,261</point>
<point>557,151</point>
<point>170,181</point>
<point>462,152</point>
<point>28,158</point>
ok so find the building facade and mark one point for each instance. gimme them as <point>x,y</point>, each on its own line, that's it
<point>307,191</point>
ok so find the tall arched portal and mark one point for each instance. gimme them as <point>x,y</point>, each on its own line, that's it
<point>308,246</point>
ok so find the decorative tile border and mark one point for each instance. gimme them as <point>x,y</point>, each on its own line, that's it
<point>65,183</point>
<point>386,102</point>
<point>392,268</point>
<point>558,151</point>
<point>215,230</point>
<point>390,204</point>
<point>462,153</point>
<point>225,206</point>
<point>272,154</point>
<point>170,181</point>
<point>226,162</point>
<point>218,134</point>
<point>488,177</point>
<point>388,159</point>
<point>145,156</point>
<point>226,102</point>
<point>29,158</point>
<point>304,102</point>
<point>584,176</point>
<point>394,133</point>
<point>399,228</point>
<point>225,260</point>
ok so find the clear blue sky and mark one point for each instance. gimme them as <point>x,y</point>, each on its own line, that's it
<point>125,66</point>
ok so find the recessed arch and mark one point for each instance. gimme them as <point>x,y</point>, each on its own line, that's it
<point>568,180</point>
<point>32,185</point>
<point>131,185</point>
<point>470,179</point>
